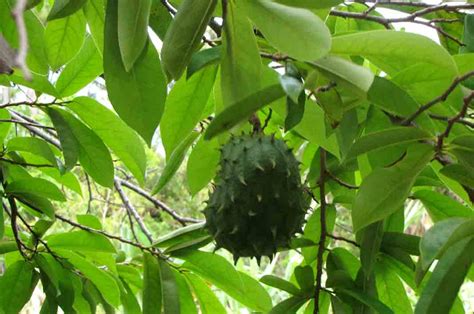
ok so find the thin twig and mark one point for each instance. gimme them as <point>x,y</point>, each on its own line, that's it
<point>25,164</point>
<point>340,182</point>
<point>20,60</point>
<point>446,119</point>
<point>339,238</point>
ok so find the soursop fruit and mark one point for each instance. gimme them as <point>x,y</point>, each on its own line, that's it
<point>258,203</point>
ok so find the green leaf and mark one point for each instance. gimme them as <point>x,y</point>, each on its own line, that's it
<point>175,161</point>
<point>440,206</point>
<point>138,96</point>
<point>64,38</point>
<point>295,111</point>
<point>4,127</point>
<point>391,290</point>
<point>370,301</point>
<point>184,107</point>
<point>220,272</point>
<point>181,235</point>
<point>160,18</point>
<point>237,112</point>
<point>202,164</point>
<point>280,283</point>
<point>384,190</point>
<point>186,301</point>
<point>208,301</point>
<point>386,138</point>
<point>460,173</point>
<point>123,141</point>
<point>290,305</point>
<point>89,221</point>
<point>406,242</point>
<point>34,146</point>
<point>312,231</point>
<point>468,34</point>
<point>152,287</point>
<point>17,285</point>
<point>171,292</point>
<point>63,8</point>
<point>81,241</point>
<point>356,78</point>
<point>202,59</point>
<point>7,246</point>
<point>184,35</point>
<point>37,203</point>
<point>292,87</point>
<point>83,69</point>
<point>93,154</point>
<point>443,235</point>
<point>37,187</point>
<point>310,4</point>
<point>104,282</point>
<point>370,241</point>
<point>132,29</point>
<point>2,224</point>
<point>297,32</point>
<point>129,301</point>
<point>442,288</point>
<point>241,65</point>
<point>305,277</point>
<point>94,10</point>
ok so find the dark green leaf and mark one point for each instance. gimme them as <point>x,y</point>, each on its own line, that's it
<point>440,206</point>
<point>290,305</point>
<point>460,173</point>
<point>406,242</point>
<point>63,8</point>
<point>279,283</point>
<point>7,246</point>
<point>202,59</point>
<point>182,235</point>
<point>160,18</point>
<point>367,300</point>
<point>202,164</point>
<point>186,301</point>
<point>305,277</point>
<point>152,287</point>
<point>370,241</point>
<point>468,34</point>
<point>295,111</point>
<point>391,290</point>
<point>171,292</point>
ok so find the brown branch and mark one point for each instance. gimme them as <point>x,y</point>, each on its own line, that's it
<point>25,164</point>
<point>323,234</point>
<point>438,99</point>
<point>340,182</point>
<point>338,238</point>
<point>20,60</point>
<point>26,123</point>
<point>446,119</point>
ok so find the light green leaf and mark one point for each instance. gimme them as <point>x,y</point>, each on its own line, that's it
<point>202,59</point>
<point>64,38</point>
<point>17,285</point>
<point>63,8</point>
<point>442,288</point>
<point>175,161</point>
<point>386,138</point>
<point>305,277</point>
<point>311,4</point>
<point>384,190</point>
<point>406,242</point>
<point>83,69</point>
<point>297,32</point>
<point>184,35</point>
<point>290,305</point>
<point>181,235</point>
<point>280,283</point>
<point>93,154</point>
<point>220,272</point>
<point>312,231</point>
<point>186,301</point>
<point>208,301</point>
<point>345,73</point>
<point>123,141</point>
<point>440,206</point>
<point>89,221</point>
<point>443,235</point>
<point>104,282</point>
<point>240,64</point>
<point>94,10</point>
<point>242,109</point>
<point>7,246</point>
<point>81,241</point>
<point>184,107</point>
<point>132,29</point>
<point>171,292</point>
<point>138,96</point>
<point>391,290</point>
<point>152,287</point>
<point>4,127</point>
<point>34,146</point>
<point>160,18</point>
<point>37,187</point>
<point>370,301</point>
<point>370,241</point>
<point>202,164</point>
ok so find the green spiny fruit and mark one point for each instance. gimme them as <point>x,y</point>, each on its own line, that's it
<point>258,203</point>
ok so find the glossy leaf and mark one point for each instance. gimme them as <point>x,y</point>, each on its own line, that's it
<point>290,305</point>
<point>17,285</point>
<point>202,59</point>
<point>202,164</point>
<point>138,96</point>
<point>94,10</point>
<point>279,283</point>
<point>81,241</point>
<point>63,8</point>
<point>37,187</point>
<point>297,32</point>
<point>34,146</point>
<point>182,235</point>
<point>184,35</point>
<point>121,139</point>
<point>391,290</point>
<point>152,286</point>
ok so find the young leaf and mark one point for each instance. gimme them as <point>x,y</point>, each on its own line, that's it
<point>184,107</point>
<point>443,286</point>
<point>297,32</point>
<point>17,285</point>
<point>184,35</point>
<point>93,154</point>
<point>202,164</point>
<point>171,292</point>
<point>237,112</point>
<point>63,8</point>
<point>132,29</point>
<point>208,301</point>
<point>220,272</point>
<point>123,141</point>
<point>386,138</point>
<point>37,187</point>
<point>64,38</point>
<point>34,146</point>
<point>138,96</point>
<point>82,69</point>
<point>175,161</point>
<point>440,206</point>
<point>81,241</point>
<point>282,284</point>
<point>384,191</point>
<point>152,287</point>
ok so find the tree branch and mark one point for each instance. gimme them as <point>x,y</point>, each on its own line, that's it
<point>20,60</point>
